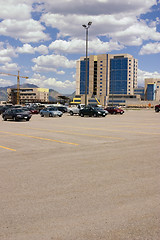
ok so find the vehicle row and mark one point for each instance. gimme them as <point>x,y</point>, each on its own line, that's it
<point>25,113</point>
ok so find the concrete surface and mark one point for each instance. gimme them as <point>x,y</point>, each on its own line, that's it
<point>74,178</point>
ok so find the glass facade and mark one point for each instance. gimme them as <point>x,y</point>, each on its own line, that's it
<point>83,76</point>
<point>151,92</point>
<point>118,75</point>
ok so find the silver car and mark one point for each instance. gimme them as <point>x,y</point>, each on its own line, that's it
<point>50,112</point>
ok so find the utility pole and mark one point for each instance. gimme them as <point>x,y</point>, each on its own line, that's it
<point>86,27</point>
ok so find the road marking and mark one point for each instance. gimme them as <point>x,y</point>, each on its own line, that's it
<point>80,134</point>
<point>8,148</point>
<point>104,129</point>
<point>45,139</point>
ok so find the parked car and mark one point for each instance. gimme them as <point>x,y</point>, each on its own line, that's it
<point>16,114</point>
<point>62,108</point>
<point>100,108</point>
<point>114,110</point>
<point>50,112</point>
<point>92,111</point>
<point>3,108</point>
<point>33,110</point>
<point>75,109</point>
<point>157,108</point>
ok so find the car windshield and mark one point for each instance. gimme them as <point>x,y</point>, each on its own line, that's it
<point>52,109</point>
<point>98,108</point>
<point>18,110</point>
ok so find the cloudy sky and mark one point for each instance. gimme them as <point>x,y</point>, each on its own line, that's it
<point>43,39</point>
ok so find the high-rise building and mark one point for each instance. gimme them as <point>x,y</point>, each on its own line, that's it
<point>110,77</point>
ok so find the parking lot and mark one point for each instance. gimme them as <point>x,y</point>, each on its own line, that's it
<point>81,178</point>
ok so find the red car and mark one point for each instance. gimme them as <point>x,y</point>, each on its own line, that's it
<point>34,111</point>
<point>157,108</point>
<point>114,110</point>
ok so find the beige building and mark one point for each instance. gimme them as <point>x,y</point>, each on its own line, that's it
<point>152,89</point>
<point>28,95</point>
<point>109,75</point>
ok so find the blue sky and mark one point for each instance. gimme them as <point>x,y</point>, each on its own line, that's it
<point>43,39</point>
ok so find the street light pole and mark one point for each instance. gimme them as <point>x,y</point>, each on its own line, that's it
<point>86,27</point>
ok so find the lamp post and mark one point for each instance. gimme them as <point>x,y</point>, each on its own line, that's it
<point>86,27</point>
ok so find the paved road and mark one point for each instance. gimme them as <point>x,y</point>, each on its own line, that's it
<point>74,178</point>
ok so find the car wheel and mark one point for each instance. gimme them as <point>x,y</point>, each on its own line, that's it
<point>60,115</point>
<point>71,113</point>
<point>156,110</point>
<point>4,118</point>
<point>50,115</point>
<point>27,119</point>
<point>94,115</point>
<point>42,115</point>
<point>121,113</point>
<point>82,115</point>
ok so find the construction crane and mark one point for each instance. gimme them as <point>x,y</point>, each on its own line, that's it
<point>18,84</point>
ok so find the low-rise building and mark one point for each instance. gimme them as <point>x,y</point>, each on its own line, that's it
<point>28,95</point>
<point>152,89</point>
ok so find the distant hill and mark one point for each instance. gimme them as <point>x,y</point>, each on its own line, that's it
<point>53,95</point>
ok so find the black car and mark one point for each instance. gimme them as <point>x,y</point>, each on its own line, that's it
<point>16,114</point>
<point>62,108</point>
<point>92,111</point>
<point>3,108</point>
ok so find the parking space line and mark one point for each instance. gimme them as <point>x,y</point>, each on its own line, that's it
<point>8,148</point>
<point>116,130</point>
<point>80,134</point>
<point>45,139</point>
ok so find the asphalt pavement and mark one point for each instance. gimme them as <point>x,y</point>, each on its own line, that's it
<point>81,178</point>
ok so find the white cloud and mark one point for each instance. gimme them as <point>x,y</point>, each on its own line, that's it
<point>144,74</point>
<point>52,63</point>
<point>97,7</point>
<point>42,49</point>
<point>4,82</point>
<point>6,53</point>
<point>7,67</point>
<point>123,28</point>
<point>150,48</point>
<point>53,83</point>
<point>24,30</point>
<point>78,46</point>
<point>15,9</point>
<point>134,34</point>
<point>61,72</point>
<point>27,48</point>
